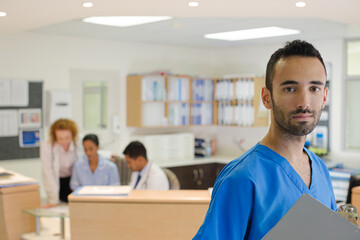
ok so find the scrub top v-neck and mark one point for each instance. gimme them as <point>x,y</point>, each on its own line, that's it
<point>252,193</point>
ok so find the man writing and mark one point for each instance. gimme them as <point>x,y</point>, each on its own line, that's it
<point>253,192</point>
<point>146,175</point>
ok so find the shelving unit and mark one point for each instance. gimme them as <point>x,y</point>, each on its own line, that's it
<point>202,101</point>
<point>172,101</point>
<point>158,101</point>
<point>238,102</point>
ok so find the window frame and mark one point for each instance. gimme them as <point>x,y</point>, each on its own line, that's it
<point>100,90</point>
<point>349,78</point>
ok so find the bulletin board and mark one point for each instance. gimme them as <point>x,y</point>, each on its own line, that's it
<point>10,146</point>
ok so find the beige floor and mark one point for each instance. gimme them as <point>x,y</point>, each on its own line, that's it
<point>50,230</point>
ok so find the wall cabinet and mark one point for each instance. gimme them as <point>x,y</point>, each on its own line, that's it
<point>163,101</point>
<point>158,101</point>
<point>201,176</point>
<point>238,102</point>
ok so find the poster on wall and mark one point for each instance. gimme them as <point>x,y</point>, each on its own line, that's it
<point>29,118</point>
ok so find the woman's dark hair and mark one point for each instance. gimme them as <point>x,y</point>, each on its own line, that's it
<point>91,137</point>
<point>295,48</point>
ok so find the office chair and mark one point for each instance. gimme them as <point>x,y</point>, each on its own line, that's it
<point>174,183</point>
<point>124,171</point>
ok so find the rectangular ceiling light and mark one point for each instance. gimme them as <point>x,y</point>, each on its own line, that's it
<point>252,33</point>
<point>124,21</point>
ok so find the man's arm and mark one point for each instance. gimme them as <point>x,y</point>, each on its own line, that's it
<point>230,210</point>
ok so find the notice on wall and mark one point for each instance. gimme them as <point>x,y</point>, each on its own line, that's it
<point>9,123</point>
<point>19,93</point>
<point>5,93</point>
<point>29,117</point>
<point>14,93</point>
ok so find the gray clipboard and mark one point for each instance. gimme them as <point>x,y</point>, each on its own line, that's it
<point>311,220</point>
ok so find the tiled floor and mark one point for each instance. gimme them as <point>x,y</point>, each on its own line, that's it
<point>50,230</point>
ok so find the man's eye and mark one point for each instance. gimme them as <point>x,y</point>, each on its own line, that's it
<point>289,89</point>
<point>314,89</point>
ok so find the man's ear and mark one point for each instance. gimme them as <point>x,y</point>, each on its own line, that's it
<point>266,97</point>
<point>326,91</point>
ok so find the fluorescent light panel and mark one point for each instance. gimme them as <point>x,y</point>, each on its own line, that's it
<point>252,33</point>
<point>124,21</point>
<point>88,4</point>
<point>193,4</point>
<point>300,4</point>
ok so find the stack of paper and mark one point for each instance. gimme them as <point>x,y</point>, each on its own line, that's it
<point>103,191</point>
<point>14,179</point>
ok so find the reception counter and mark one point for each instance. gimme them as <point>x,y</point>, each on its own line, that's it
<point>13,222</point>
<point>174,214</point>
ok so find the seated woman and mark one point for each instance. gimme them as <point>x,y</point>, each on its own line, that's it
<point>93,169</point>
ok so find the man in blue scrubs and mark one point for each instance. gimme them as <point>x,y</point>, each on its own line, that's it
<point>253,192</point>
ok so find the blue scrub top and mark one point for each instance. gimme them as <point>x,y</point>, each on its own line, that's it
<point>252,193</point>
<point>106,173</point>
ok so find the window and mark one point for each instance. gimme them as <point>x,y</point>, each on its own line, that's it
<point>352,94</point>
<point>95,105</point>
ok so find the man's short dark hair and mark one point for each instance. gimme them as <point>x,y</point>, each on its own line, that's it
<point>135,149</point>
<point>295,48</point>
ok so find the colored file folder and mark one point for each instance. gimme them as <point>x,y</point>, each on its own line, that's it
<point>311,220</point>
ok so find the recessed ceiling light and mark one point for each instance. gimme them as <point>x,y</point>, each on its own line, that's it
<point>124,21</point>
<point>252,33</point>
<point>193,4</point>
<point>300,4</point>
<point>2,14</point>
<point>88,4</point>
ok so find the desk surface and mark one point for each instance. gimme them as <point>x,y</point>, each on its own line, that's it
<point>174,196</point>
<point>144,214</point>
<point>20,188</point>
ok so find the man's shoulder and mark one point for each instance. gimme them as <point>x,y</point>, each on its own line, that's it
<point>251,156</point>
<point>155,171</point>
<point>246,165</point>
<point>154,168</point>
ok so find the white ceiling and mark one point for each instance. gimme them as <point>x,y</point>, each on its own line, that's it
<point>321,19</point>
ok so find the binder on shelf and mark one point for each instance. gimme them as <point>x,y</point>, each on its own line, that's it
<point>178,88</point>
<point>311,220</point>
<point>340,178</point>
<point>153,88</point>
<point>202,89</point>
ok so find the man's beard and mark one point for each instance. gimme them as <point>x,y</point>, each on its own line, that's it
<point>298,128</point>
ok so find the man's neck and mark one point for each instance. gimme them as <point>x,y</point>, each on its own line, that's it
<point>287,145</point>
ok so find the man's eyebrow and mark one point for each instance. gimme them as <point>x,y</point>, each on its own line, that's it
<point>293,82</point>
<point>317,83</point>
<point>289,82</point>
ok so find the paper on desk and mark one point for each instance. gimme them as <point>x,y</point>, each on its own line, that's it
<point>15,179</point>
<point>104,190</point>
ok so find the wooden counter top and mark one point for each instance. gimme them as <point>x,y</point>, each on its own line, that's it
<point>151,196</point>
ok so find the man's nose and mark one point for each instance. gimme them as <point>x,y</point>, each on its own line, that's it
<point>303,100</point>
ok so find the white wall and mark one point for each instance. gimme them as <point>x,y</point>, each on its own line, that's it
<point>253,60</point>
<point>51,58</point>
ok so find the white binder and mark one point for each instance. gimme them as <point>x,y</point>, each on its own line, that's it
<point>311,220</point>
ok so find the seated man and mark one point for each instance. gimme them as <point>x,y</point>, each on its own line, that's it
<point>146,175</point>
